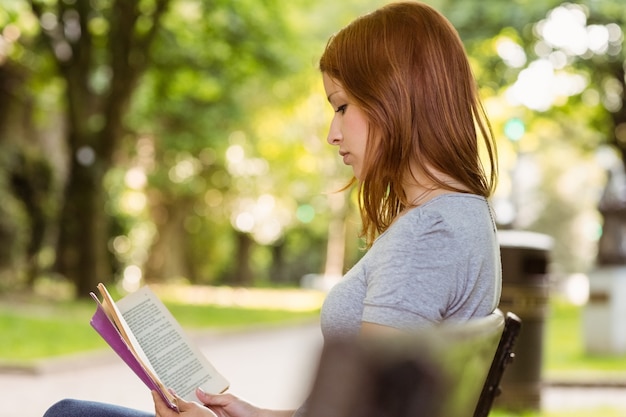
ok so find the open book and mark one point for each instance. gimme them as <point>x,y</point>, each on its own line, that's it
<point>143,332</point>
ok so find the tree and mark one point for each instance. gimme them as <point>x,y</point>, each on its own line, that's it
<point>197,60</point>
<point>559,68</point>
<point>178,77</point>
<point>162,98</point>
<point>100,50</point>
<point>195,104</point>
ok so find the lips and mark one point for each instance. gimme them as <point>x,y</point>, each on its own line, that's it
<point>345,156</point>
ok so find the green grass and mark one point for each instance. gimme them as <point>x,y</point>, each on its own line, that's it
<point>38,330</point>
<point>35,329</point>
<point>32,330</point>
<point>564,350</point>
<point>596,412</point>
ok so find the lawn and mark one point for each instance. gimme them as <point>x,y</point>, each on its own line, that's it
<point>597,412</point>
<point>564,351</point>
<point>33,329</point>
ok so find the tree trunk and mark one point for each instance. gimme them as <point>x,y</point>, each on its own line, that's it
<point>82,254</point>
<point>168,253</point>
<point>278,269</point>
<point>94,119</point>
<point>243,272</point>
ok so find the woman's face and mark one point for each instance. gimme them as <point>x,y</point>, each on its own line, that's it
<point>348,129</point>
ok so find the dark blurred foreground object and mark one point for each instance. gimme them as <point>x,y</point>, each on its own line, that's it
<point>451,370</point>
<point>525,291</point>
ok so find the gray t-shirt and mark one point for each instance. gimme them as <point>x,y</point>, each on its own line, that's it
<point>439,261</point>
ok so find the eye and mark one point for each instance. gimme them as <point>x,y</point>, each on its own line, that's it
<point>341,109</point>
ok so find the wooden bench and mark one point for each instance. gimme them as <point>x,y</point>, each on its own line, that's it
<point>450,370</point>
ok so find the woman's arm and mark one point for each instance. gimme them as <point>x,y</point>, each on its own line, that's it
<point>373,330</point>
<point>228,405</point>
<point>219,405</point>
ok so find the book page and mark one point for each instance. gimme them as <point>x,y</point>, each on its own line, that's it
<point>176,361</point>
<point>117,317</point>
<point>139,362</point>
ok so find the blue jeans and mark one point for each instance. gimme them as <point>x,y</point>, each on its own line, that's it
<point>79,408</point>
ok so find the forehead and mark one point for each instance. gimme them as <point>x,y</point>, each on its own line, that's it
<point>332,86</point>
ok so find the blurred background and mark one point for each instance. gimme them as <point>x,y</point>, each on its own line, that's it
<point>183,142</point>
<point>173,140</point>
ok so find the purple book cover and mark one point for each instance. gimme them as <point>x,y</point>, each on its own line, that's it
<point>107,330</point>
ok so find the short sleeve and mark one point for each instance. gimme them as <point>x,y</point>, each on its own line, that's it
<point>415,275</point>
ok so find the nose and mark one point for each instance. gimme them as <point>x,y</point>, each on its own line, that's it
<point>334,133</point>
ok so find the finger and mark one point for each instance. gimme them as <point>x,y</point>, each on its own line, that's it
<point>221,400</point>
<point>162,408</point>
<point>158,403</point>
<point>202,396</point>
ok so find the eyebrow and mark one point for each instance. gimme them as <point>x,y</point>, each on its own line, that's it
<point>331,94</point>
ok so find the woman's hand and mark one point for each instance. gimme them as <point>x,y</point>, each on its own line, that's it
<point>186,408</point>
<point>227,405</point>
<point>215,405</point>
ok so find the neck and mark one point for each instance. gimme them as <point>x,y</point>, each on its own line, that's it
<point>421,188</point>
<point>418,195</point>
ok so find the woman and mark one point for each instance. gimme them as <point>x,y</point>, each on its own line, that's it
<point>409,122</point>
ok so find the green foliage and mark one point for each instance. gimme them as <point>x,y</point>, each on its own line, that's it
<point>26,181</point>
<point>228,80</point>
<point>254,94</point>
<point>13,224</point>
<point>551,177</point>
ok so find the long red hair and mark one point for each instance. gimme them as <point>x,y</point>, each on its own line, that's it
<point>406,68</point>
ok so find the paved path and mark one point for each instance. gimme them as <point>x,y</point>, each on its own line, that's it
<point>270,368</point>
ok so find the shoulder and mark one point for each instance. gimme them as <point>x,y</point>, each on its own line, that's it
<point>446,223</point>
<point>452,205</point>
<point>453,211</point>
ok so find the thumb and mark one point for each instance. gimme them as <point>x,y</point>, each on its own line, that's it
<point>219,400</point>
<point>202,396</point>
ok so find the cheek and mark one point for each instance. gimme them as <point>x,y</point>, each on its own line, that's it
<point>357,126</point>
<point>361,132</point>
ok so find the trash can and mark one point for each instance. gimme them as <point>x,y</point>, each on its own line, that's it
<point>525,292</point>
